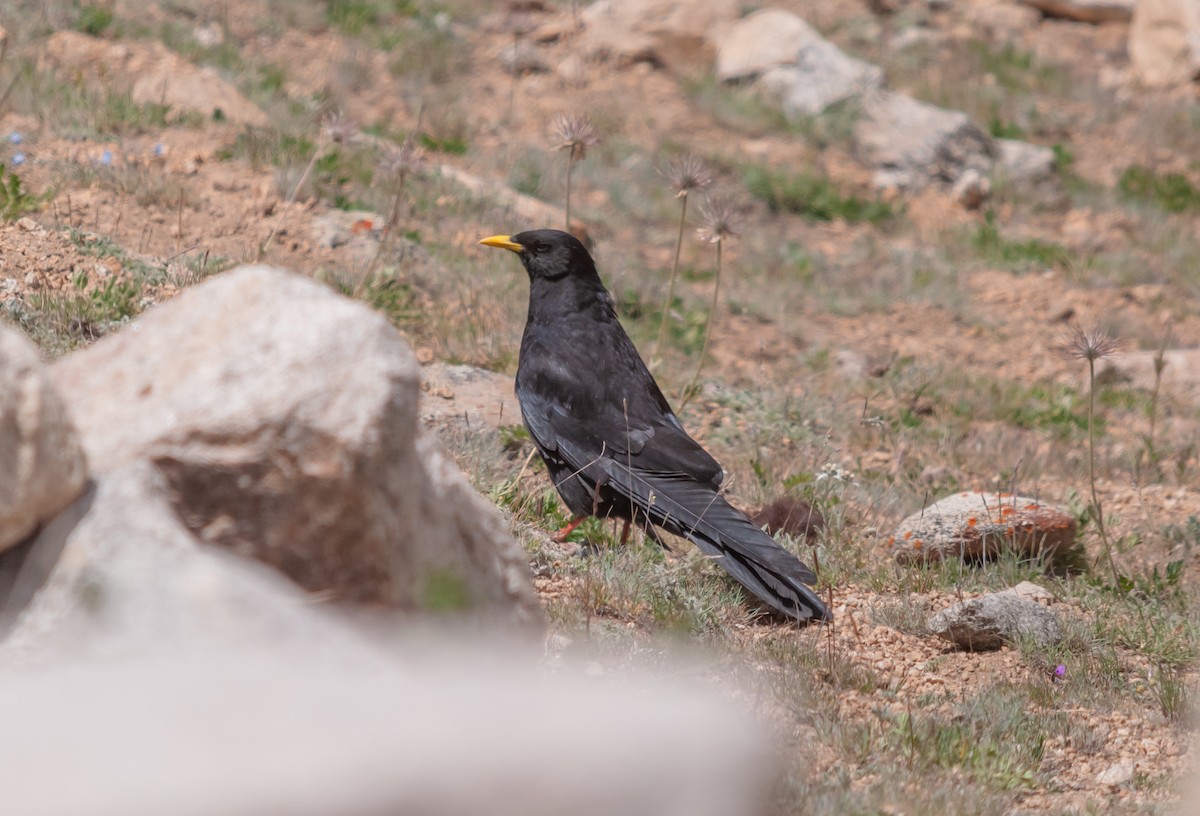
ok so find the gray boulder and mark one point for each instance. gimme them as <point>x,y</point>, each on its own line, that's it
<point>992,621</point>
<point>283,422</point>
<point>913,144</point>
<point>794,64</point>
<point>42,465</point>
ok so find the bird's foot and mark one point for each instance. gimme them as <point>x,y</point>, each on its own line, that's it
<point>562,534</point>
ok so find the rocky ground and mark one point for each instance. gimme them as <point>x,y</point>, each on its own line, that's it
<point>976,182</point>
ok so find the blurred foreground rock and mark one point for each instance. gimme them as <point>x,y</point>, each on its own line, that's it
<point>42,466</point>
<point>974,525</point>
<point>329,728</point>
<point>1002,618</point>
<point>282,422</point>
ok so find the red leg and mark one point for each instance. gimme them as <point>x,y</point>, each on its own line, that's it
<point>562,534</point>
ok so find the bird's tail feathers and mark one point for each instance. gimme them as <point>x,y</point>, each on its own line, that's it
<point>698,513</point>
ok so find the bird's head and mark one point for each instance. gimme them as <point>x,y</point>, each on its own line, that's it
<point>547,254</point>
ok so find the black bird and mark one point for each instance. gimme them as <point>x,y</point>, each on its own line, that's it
<point>612,444</point>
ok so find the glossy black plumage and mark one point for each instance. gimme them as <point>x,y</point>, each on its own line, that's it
<point>612,444</point>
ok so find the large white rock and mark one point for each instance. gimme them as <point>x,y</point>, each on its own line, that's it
<point>283,421</point>
<point>1164,41</point>
<point>913,143</point>
<point>118,573</point>
<point>42,466</point>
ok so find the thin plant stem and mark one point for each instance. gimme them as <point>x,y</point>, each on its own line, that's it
<point>570,165</point>
<point>662,326</point>
<point>1097,509</point>
<point>686,395</point>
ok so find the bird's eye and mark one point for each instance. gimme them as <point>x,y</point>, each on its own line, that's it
<point>540,248</point>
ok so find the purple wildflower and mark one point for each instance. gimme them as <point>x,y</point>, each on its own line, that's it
<point>18,159</point>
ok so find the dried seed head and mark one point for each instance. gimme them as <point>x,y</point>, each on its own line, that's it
<point>686,174</point>
<point>720,218</point>
<point>399,160</point>
<point>339,128</point>
<point>1089,344</point>
<point>574,132</point>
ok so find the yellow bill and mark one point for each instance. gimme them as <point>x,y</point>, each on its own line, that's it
<point>503,242</point>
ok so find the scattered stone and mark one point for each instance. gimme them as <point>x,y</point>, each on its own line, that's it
<point>913,144</point>
<point>1117,774</point>
<point>283,421</point>
<point>153,74</point>
<point>44,468</point>
<point>790,516</point>
<point>974,525</point>
<point>669,33</point>
<point>338,227</point>
<point>992,621</point>
<point>1024,163</point>
<point>1031,592</point>
<point>972,189</point>
<point>1086,11</point>
<point>523,57</point>
<point>759,41</point>
<point>1164,42</point>
<point>573,70</point>
<point>468,395</point>
<point>805,73</point>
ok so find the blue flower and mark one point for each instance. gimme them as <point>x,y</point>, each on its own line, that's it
<point>1060,671</point>
<point>15,138</point>
<point>159,150</point>
<point>18,159</point>
<point>106,158</point>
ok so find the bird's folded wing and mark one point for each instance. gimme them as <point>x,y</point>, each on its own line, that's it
<point>654,444</point>
<point>693,510</point>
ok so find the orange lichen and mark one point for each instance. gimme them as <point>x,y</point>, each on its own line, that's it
<point>908,535</point>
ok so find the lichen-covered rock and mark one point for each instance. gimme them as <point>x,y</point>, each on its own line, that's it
<point>974,525</point>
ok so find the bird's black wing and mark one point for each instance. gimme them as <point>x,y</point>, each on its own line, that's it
<point>663,472</point>
<point>616,410</point>
<point>698,512</point>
